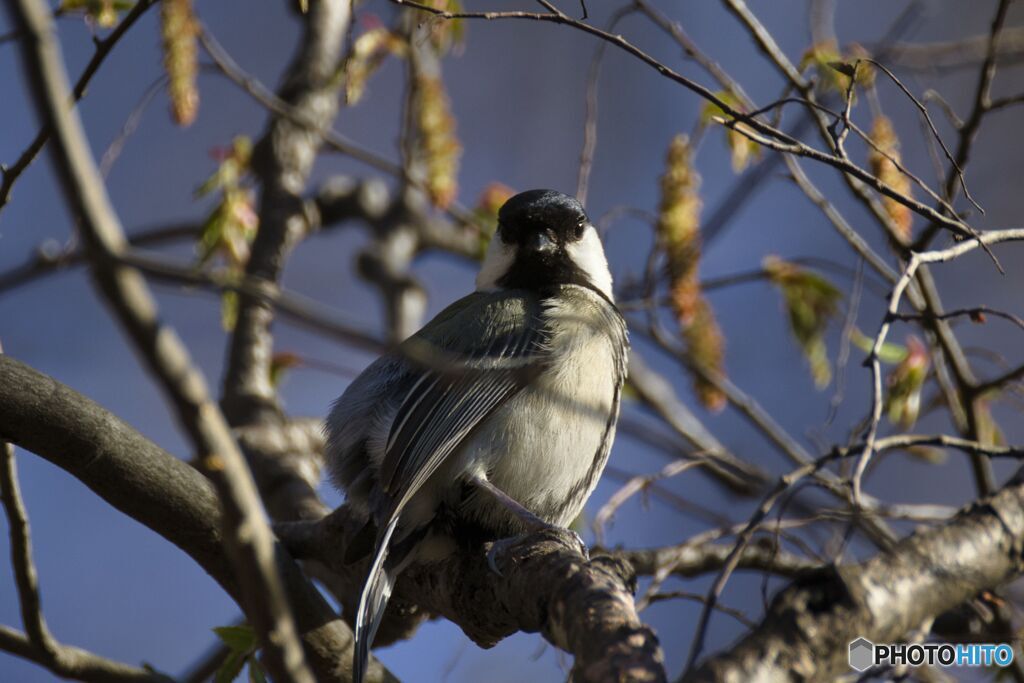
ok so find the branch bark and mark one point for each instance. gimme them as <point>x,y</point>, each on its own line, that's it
<point>247,539</point>
<point>582,606</point>
<point>153,487</point>
<point>72,662</point>
<point>807,630</point>
<point>283,161</point>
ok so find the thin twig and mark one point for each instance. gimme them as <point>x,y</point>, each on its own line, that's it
<point>38,644</point>
<point>76,663</point>
<point>915,262</point>
<point>759,131</point>
<point>10,174</point>
<point>590,117</point>
<point>931,126</point>
<point>21,556</point>
<point>48,260</point>
<point>975,313</point>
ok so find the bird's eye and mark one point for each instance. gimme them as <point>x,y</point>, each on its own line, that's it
<point>578,230</point>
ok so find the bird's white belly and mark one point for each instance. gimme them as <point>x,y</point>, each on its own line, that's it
<point>540,447</point>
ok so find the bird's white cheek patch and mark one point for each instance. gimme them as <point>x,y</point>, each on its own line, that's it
<point>588,254</point>
<point>497,261</point>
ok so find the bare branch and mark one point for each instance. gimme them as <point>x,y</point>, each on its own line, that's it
<point>156,489</point>
<point>259,92</point>
<point>759,131</point>
<point>582,606</point>
<point>10,174</point>
<point>72,662</point>
<point>21,557</point>
<point>956,54</point>
<point>916,261</point>
<point>660,396</point>
<point>690,559</point>
<point>807,629</point>
<point>283,160</point>
<point>249,541</point>
<point>47,261</point>
<point>1000,382</point>
<point>975,313</point>
<point>982,105</point>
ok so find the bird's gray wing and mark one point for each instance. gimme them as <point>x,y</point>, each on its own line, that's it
<point>472,358</point>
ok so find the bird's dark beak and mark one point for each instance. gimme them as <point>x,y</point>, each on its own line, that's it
<point>542,242</point>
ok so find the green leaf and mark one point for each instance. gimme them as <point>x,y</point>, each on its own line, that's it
<point>256,673</point>
<point>369,51</point>
<point>742,149</point>
<point>821,56</point>
<point>928,454</point>
<point>229,310</point>
<point>905,382</point>
<point>231,667</point>
<point>280,363</point>
<point>211,236</point>
<point>811,302</point>
<point>711,111</point>
<point>239,638</point>
<point>890,353</point>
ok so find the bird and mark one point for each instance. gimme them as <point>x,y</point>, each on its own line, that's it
<point>493,420</point>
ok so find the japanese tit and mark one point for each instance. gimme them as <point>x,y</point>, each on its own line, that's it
<point>497,417</point>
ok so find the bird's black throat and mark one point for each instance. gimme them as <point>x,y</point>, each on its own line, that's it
<point>537,271</point>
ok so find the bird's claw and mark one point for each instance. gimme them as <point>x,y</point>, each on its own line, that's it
<point>567,536</point>
<point>581,546</point>
<point>497,547</point>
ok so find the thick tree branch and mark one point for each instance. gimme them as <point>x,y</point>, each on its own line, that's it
<point>283,161</point>
<point>249,542</point>
<point>153,487</point>
<point>584,607</point>
<point>804,636</point>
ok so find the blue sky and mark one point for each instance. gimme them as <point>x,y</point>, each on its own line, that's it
<point>517,89</point>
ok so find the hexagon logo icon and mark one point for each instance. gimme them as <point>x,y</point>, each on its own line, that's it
<point>862,653</point>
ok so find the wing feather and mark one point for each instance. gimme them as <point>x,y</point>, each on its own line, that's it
<point>447,403</point>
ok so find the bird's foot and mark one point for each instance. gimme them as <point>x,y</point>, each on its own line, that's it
<point>566,536</point>
<point>577,540</point>
<point>497,548</point>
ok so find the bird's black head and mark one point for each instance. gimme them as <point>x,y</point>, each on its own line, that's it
<point>544,238</point>
<point>531,217</point>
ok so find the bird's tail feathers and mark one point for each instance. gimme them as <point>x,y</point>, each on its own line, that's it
<point>373,601</point>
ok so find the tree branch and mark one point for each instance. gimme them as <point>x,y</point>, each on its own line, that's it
<point>283,160</point>
<point>249,542</point>
<point>804,636</point>
<point>759,131</point>
<point>47,262</point>
<point>21,556</point>
<point>153,487</point>
<point>584,607</point>
<point>38,644</point>
<point>72,662</point>
<point>10,174</point>
<point>689,559</point>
